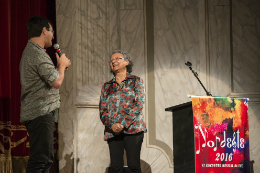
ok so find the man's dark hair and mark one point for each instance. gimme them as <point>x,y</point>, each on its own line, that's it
<point>35,25</point>
<point>127,57</point>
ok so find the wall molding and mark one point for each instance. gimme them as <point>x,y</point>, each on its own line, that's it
<point>253,96</point>
<point>86,106</point>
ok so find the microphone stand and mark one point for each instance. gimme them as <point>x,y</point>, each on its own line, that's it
<point>196,75</point>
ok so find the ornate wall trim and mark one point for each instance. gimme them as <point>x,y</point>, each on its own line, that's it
<point>253,96</point>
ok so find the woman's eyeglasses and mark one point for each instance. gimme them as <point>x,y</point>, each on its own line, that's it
<point>117,58</point>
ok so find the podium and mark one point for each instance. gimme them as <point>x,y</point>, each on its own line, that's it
<point>183,138</point>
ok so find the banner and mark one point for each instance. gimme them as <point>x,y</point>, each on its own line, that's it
<point>221,134</point>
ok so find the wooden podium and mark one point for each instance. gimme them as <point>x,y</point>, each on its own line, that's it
<point>183,138</point>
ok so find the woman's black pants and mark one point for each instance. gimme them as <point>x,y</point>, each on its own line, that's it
<point>132,143</point>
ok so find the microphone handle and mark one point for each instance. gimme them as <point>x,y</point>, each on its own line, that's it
<point>59,53</point>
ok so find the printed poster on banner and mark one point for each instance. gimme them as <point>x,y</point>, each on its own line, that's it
<point>221,131</point>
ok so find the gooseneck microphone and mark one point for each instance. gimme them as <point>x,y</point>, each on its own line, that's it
<point>57,48</point>
<point>188,63</point>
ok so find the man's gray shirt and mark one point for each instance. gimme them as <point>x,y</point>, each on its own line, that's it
<point>37,75</point>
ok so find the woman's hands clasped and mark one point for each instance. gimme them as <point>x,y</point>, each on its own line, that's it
<point>117,128</point>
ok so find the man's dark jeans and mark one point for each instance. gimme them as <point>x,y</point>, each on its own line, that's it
<point>40,132</point>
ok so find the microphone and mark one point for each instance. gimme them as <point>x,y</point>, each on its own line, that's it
<point>189,64</point>
<point>57,48</point>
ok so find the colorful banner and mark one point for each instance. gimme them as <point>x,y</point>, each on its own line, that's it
<point>221,134</point>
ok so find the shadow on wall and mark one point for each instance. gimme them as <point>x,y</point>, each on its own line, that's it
<point>144,166</point>
<point>252,166</point>
<point>69,158</point>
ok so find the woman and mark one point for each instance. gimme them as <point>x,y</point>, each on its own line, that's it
<point>121,103</point>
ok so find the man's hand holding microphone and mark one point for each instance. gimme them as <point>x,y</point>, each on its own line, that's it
<point>62,64</point>
<point>61,58</point>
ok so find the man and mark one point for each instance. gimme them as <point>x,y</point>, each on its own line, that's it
<point>40,99</point>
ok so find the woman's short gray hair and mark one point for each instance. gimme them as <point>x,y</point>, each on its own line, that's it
<point>127,57</point>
